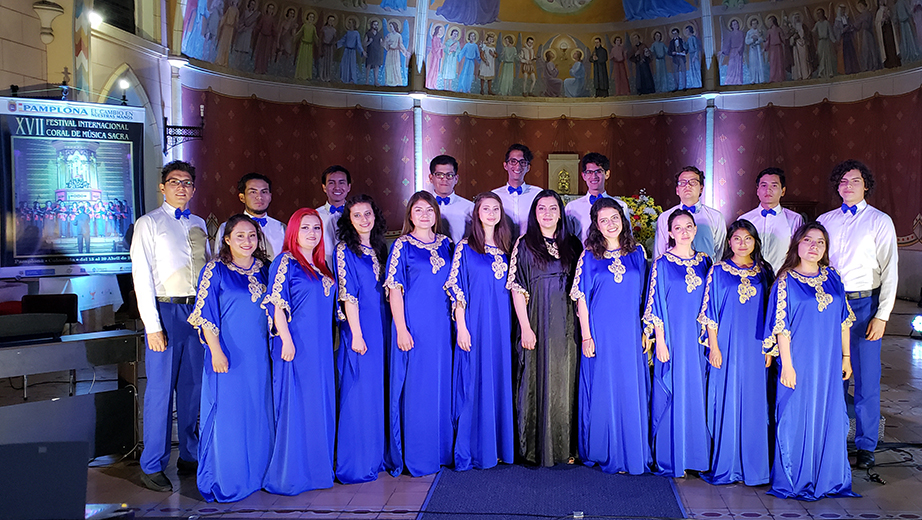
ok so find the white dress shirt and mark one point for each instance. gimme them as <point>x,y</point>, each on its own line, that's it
<point>167,255</point>
<point>775,231</point>
<point>862,247</point>
<point>330,228</point>
<point>457,214</point>
<point>578,214</point>
<point>273,236</point>
<point>517,206</point>
<point>710,238</point>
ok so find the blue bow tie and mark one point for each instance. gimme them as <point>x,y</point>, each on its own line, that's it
<point>336,209</point>
<point>846,208</point>
<point>182,214</point>
<point>767,212</point>
<point>593,198</point>
<point>442,200</point>
<point>262,221</point>
<point>514,190</point>
<point>690,209</point>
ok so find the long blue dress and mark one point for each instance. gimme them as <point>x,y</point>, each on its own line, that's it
<point>737,405</point>
<point>421,432</point>
<point>811,456</point>
<point>361,430</point>
<point>482,403</point>
<point>614,418</point>
<point>680,436</point>
<point>470,56</point>
<point>236,426</point>
<point>303,388</point>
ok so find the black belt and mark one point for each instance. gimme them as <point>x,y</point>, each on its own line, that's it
<point>856,295</point>
<point>181,300</point>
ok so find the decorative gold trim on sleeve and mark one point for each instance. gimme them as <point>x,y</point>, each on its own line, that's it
<point>651,320</point>
<point>850,319</point>
<point>703,318</point>
<point>575,294</point>
<point>511,284</point>
<point>344,295</point>
<point>275,297</point>
<point>195,318</point>
<point>770,344</point>
<point>455,293</point>
<point>389,282</point>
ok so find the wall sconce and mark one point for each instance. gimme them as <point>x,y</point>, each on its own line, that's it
<point>47,12</point>
<point>175,135</point>
<point>124,85</point>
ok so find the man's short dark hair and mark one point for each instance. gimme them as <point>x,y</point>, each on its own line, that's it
<point>842,168</point>
<point>252,176</point>
<point>528,156</point>
<point>594,158</point>
<point>693,170</point>
<point>442,159</point>
<point>173,166</point>
<point>690,28</point>
<point>333,169</point>
<point>772,171</point>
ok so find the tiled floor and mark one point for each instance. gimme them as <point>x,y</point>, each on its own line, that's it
<point>401,497</point>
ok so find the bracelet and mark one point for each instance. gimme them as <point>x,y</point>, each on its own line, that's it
<point>587,339</point>
<point>843,355</point>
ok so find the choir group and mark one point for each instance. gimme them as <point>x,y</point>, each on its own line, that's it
<point>490,333</point>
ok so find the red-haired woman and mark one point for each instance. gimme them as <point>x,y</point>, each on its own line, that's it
<point>301,302</point>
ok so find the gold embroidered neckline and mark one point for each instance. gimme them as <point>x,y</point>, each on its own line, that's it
<point>375,264</point>
<point>500,267</point>
<point>616,268</point>
<point>433,247</point>
<point>552,248</point>
<point>745,289</point>
<point>823,299</point>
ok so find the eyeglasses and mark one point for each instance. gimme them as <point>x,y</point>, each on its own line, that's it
<point>518,162</point>
<point>175,183</point>
<point>594,172</point>
<point>691,182</point>
<point>444,176</point>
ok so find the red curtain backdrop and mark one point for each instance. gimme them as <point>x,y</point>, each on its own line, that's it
<point>807,142</point>
<point>292,144</point>
<point>645,152</point>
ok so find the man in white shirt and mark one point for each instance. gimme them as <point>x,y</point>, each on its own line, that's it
<point>775,224</point>
<point>516,195</point>
<point>862,247</point>
<point>168,250</point>
<point>712,229</point>
<point>594,168</point>
<point>455,210</point>
<point>255,192</point>
<point>336,182</point>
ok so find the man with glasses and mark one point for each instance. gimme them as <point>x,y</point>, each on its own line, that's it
<point>775,224</point>
<point>516,195</point>
<point>336,182</point>
<point>862,248</point>
<point>712,229</point>
<point>168,250</point>
<point>455,210</point>
<point>594,167</point>
<point>255,192</point>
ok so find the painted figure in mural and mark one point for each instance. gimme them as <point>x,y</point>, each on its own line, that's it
<point>678,51</point>
<point>774,42</point>
<point>660,74</point>
<point>306,37</point>
<point>327,44</point>
<point>468,59</point>
<point>917,19</point>
<point>351,43</point>
<point>194,38</point>
<point>394,48</point>
<point>886,36</point>
<point>646,9</point>
<point>693,45</point>
<point>210,45</point>
<point>801,68</point>
<point>469,12</point>
<point>732,47</point>
<point>509,59</point>
<point>528,59</point>
<point>825,51</point>
<point>619,73</point>
<point>434,58</point>
<point>288,27</point>
<point>226,33</point>
<point>266,38</point>
<point>396,5</point>
<point>756,41</point>
<point>553,85</point>
<point>868,53</point>
<point>902,11</point>
<point>844,31</point>
<point>488,63</point>
<point>374,52</point>
<point>243,43</point>
<point>575,85</point>
<point>450,59</point>
<point>641,57</point>
<point>599,59</point>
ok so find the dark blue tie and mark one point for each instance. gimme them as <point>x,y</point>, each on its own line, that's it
<point>846,208</point>
<point>767,212</point>
<point>442,200</point>
<point>514,190</point>
<point>593,198</point>
<point>262,221</point>
<point>336,209</point>
<point>690,209</point>
<point>182,213</point>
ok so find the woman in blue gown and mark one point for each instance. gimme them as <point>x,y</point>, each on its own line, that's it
<point>469,57</point>
<point>807,325</point>
<point>732,319</point>
<point>301,304</point>
<point>540,278</point>
<point>674,296</point>
<point>482,374</point>
<point>236,427</point>
<point>360,258</point>
<point>614,378</point>
<point>421,432</point>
